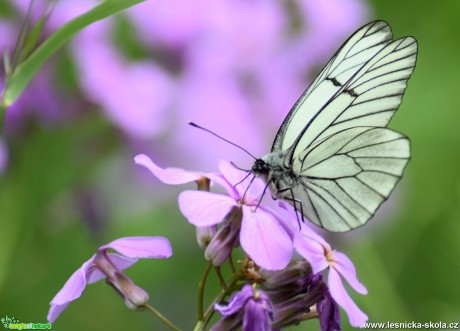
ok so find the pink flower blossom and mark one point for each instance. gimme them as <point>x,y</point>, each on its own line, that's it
<point>263,236</point>
<point>211,63</point>
<point>321,256</point>
<point>3,156</point>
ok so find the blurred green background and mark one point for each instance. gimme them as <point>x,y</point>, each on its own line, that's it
<point>408,258</point>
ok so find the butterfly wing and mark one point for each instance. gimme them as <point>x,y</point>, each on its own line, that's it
<point>346,161</point>
<point>362,85</point>
<point>344,178</point>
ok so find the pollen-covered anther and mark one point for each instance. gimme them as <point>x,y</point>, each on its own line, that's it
<point>250,269</point>
<point>203,183</point>
<point>329,254</point>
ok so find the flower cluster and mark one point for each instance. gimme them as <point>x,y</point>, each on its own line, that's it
<point>292,290</point>
<point>272,289</point>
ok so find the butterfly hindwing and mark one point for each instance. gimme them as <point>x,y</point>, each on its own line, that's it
<point>344,178</point>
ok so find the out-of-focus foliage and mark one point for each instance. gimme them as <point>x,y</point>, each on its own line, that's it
<point>70,184</point>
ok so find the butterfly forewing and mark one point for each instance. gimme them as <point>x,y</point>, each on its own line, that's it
<point>355,52</point>
<point>369,98</point>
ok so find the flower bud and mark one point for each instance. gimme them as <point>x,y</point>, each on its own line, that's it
<point>297,295</point>
<point>134,296</point>
<point>204,235</point>
<point>226,238</point>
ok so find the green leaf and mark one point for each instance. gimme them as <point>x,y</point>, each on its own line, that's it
<point>23,73</point>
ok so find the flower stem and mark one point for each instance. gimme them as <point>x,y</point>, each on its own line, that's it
<point>2,114</point>
<point>161,317</point>
<point>230,261</point>
<point>221,278</point>
<point>201,287</point>
<point>210,311</point>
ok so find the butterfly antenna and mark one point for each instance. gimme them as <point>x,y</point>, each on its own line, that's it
<point>216,135</point>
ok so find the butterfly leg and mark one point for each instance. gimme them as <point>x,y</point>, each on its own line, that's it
<point>249,173</point>
<point>262,196</point>
<point>294,202</point>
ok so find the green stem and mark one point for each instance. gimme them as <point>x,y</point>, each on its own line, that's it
<point>201,287</point>
<point>232,265</point>
<point>220,277</point>
<point>210,311</point>
<point>2,114</point>
<point>161,317</point>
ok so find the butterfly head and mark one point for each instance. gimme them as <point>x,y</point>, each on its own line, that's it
<point>261,168</point>
<point>269,165</point>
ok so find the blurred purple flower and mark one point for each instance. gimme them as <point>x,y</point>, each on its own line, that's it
<point>3,156</point>
<point>263,235</point>
<point>109,265</point>
<point>247,309</point>
<point>208,62</point>
<point>321,256</point>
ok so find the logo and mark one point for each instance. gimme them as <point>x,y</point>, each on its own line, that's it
<point>14,324</point>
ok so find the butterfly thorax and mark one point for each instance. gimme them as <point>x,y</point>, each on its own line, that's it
<point>272,170</point>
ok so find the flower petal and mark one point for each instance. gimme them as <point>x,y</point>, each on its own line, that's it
<point>264,239</point>
<point>55,311</point>
<point>71,290</point>
<point>235,176</point>
<point>173,176</point>
<point>236,301</point>
<point>257,315</point>
<point>329,314</point>
<point>204,208</point>
<point>230,172</point>
<point>141,247</point>
<point>346,268</point>
<point>312,251</point>
<point>356,317</point>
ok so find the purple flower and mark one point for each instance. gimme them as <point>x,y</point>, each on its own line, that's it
<point>297,295</point>
<point>321,256</point>
<point>211,63</point>
<point>109,265</point>
<point>329,314</point>
<point>247,309</point>
<point>263,235</point>
<point>3,156</point>
<point>175,176</point>
<point>172,176</point>
<point>134,95</point>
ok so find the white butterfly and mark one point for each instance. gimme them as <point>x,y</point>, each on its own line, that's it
<point>333,158</point>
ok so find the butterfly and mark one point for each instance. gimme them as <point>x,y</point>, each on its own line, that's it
<point>333,158</point>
